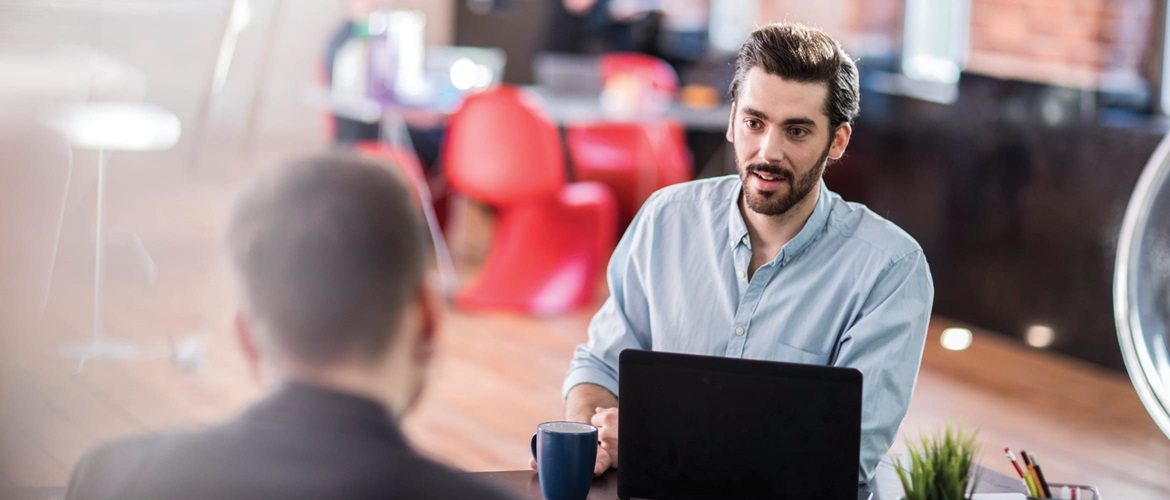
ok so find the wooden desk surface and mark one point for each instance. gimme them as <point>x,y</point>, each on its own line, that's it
<point>526,483</point>
<point>885,485</point>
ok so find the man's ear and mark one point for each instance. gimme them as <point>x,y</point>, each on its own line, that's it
<point>248,345</point>
<point>430,312</point>
<point>731,125</point>
<point>840,141</point>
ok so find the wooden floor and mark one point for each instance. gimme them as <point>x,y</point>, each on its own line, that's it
<point>498,375</point>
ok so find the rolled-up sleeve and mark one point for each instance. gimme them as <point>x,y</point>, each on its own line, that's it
<point>885,343</point>
<point>623,322</point>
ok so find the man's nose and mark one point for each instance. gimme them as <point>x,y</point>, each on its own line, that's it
<point>771,147</point>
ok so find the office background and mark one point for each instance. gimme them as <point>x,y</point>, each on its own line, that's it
<point>1009,150</point>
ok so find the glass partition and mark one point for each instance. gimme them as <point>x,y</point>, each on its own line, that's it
<point>1141,291</point>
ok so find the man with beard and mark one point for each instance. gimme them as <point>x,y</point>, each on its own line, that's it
<point>768,264</point>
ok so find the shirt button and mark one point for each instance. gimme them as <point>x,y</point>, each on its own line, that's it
<point>739,330</point>
<point>742,275</point>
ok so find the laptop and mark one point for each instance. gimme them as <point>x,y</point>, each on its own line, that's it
<point>567,74</point>
<point>452,72</point>
<point>703,427</point>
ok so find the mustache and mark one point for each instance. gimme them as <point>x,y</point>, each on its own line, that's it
<point>770,169</point>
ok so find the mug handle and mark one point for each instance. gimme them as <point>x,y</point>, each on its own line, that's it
<point>534,446</point>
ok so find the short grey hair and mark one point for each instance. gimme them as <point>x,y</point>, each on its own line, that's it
<point>328,251</point>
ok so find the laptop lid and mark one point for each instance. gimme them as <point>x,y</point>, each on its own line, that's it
<point>711,427</point>
<point>452,72</point>
<point>567,74</point>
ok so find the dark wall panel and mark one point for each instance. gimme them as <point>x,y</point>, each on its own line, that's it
<point>1016,193</point>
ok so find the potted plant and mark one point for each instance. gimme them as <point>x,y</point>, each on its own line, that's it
<point>941,466</point>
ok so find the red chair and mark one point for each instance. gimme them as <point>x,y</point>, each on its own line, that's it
<point>552,239</point>
<point>646,68</point>
<point>619,155</point>
<point>655,152</point>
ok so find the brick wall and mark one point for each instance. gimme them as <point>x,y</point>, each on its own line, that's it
<point>1080,43</point>
<point>873,27</point>
<point>833,16</point>
<point>1067,42</point>
<point>864,27</point>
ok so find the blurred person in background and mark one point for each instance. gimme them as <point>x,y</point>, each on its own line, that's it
<point>682,37</point>
<point>330,257</point>
<point>598,26</point>
<point>672,30</point>
<point>425,129</point>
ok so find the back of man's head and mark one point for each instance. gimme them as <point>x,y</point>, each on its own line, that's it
<point>328,252</point>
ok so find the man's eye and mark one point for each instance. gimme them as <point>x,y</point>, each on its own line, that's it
<point>753,123</point>
<point>797,132</point>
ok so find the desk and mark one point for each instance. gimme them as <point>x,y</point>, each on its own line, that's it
<point>705,126</point>
<point>572,108</point>
<point>885,485</point>
<point>562,108</point>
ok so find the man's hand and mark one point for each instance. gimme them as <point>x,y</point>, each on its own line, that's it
<point>593,404</point>
<point>606,421</point>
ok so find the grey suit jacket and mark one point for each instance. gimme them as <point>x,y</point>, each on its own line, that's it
<point>301,442</point>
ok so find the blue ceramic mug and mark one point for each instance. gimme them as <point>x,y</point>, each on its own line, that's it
<point>565,453</point>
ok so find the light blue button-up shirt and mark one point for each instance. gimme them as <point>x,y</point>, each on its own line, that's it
<point>851,289</point>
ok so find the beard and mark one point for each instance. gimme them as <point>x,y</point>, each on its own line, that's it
<point>773,202</point>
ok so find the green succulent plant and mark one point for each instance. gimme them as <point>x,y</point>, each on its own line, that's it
<point>940,466</point>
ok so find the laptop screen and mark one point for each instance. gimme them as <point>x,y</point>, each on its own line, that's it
<point>712,427</point>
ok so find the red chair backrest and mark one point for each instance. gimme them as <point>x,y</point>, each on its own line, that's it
<point>502,148</point>
<point>660,75</point>
<point>674,159</point>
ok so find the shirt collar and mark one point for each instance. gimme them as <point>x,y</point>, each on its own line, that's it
<point>737,232</point>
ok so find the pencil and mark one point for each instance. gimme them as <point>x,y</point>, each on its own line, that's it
<point>1032,491</point>
<point>1008,452</point>
<point>1040,475</point>
<point>1031,475</point>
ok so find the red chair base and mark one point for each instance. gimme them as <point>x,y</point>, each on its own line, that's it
<point>547,255</point>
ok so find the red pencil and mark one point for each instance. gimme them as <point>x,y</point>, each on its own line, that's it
<point>1008,452</point>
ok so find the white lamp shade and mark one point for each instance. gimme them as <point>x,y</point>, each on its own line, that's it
<point>119,126</point>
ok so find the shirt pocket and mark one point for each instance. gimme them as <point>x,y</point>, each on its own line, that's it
<point>789,354</point>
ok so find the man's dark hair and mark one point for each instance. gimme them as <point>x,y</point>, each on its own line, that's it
<point>328,250</point>
<point>803,54</point>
